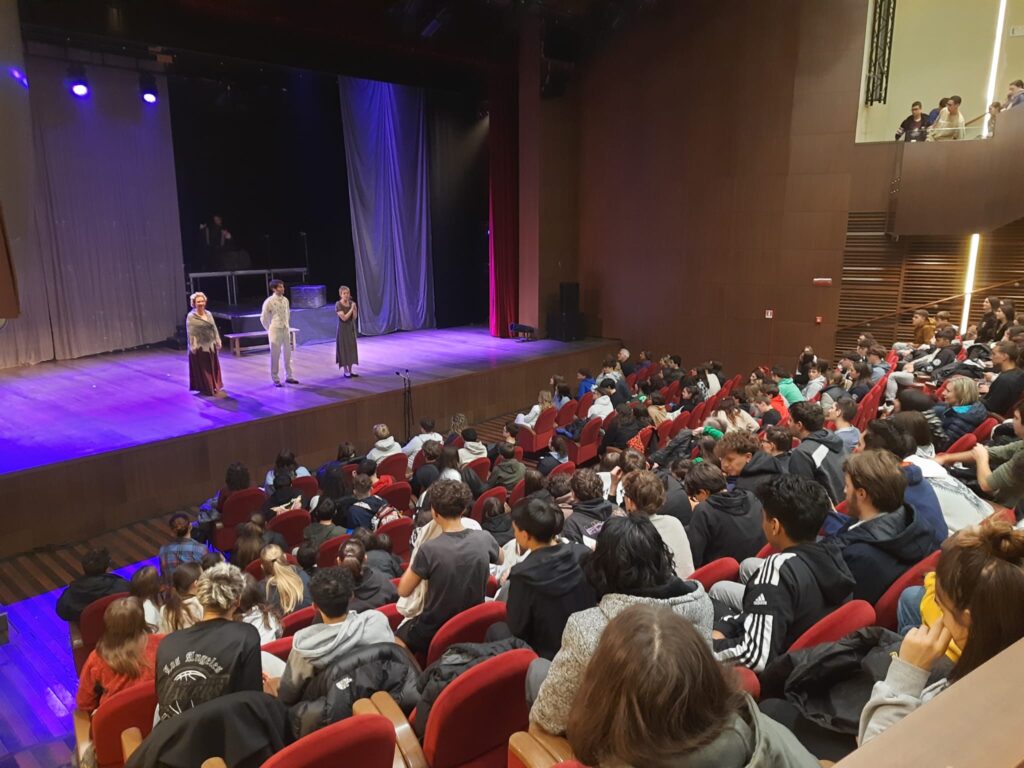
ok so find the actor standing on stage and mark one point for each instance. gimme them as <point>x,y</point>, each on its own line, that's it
<point>276,319</point>
<point>203,344</point>
<point>346,352</point>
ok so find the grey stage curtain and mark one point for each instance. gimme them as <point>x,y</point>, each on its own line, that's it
<point>386,150</point>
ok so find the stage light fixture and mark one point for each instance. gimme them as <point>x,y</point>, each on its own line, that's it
<point>18,75</point>
<point>77,81</point>
<point>147,88</point>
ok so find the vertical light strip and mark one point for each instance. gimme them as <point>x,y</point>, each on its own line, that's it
<point>996,48</point>
<point>972,263</point>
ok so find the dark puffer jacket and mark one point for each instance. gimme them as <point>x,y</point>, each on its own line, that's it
<point>330,695</point>
<point>958,421</point>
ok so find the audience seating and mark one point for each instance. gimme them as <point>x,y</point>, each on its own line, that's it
<point>327,555</point>
<point>519,453</point>
<point>537,749</point>
<point>394,617</point>
<point>347,471</point>
<point>679,423</point>
<point>765,551</point>
<point>255,569</point>
<point>296,620</point>
<point>394,466</point>
<point>472,720</point>
<point>885,608</point>
<point>645,437</point>
<point>132,707</point>
<point>367,741</point>
<point>984,430</point>
<point>481,466</point>
<point>606,422</point>
<point>517,493</point>
<point>457,442</point>
<point>238,508</point>
<point>963,443</point>
<point>566,467</point>
<point>585,449</point>
<point>398,495</point>
<point>307,486</point>
<point>665,432</point>
<point>748,682</point>
<point>722,569</point>
<point>399,532</point>
<point>418,461</point>
<point>477,512</point>
<point>697,415</point>
<point>291,525</point>
<point>536,438</point>
<point>845,619</point>
<point>280,647</point>
<point>90,628</point>
<point>470,626</point>
<point>584,405</point>
<point>567,413</point>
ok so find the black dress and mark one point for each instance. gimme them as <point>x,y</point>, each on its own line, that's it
<point>346,351</point>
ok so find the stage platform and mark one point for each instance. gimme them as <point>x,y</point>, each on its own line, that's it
<point>100,442</point>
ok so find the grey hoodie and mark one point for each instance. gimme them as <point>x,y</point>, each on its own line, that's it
<point>471,452</point>
<point>383,448</point>
<point>320,645</point>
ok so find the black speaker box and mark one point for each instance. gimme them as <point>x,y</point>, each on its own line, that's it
<point>565,326</point>
<point>569,298</point>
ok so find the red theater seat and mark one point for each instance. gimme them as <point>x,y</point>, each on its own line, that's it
<point>327,555</point>
<point>885,608</point>
<point>845,619</point>
<point>91,626</point>
<point>307,486</point>
<point>239,507</point>
<point>291,525</point>
<point>399,532</point>
<point>297,620</point>
<point>536,438</point>
<point>585,449</point>
<point>394,466</point>
<point>398,495</point>
<point>132,707</point>
<point>477,513</point>
<point>470,626</point>
<point>722,569</point>
<point>279,648</point>
<point>566,467</point>
<point>367,741</point>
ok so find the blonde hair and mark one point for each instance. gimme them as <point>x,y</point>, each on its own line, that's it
<point>345,288</point>
<point>965,390</point>
<point>280,574</point>
<point>194,296</point>
<point>220,587</point>
<point>544,400</point>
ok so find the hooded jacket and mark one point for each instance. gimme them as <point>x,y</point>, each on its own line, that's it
<point>960,506</point>
<point>85,590</point>
<point>793,590</point>
<point>760,469</point>
<point>726,524</point>
<point>677,503</point>
<point>880,550</point>
<point>922,497</point>
<point>373,591</point>
<point>958,420</point>
<point>583,633</point>
<point>545,589</point>
<point>316,647</point>
<point>585,515</point>
<point>471,452</point>
<point>384,563</point>
<point>500,527</point>
<point>507,474</point>
<point>383,448</point>
<point>819,457</point>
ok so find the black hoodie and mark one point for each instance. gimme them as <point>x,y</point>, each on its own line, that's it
<point>585,515</point>
<point>820,457</point>
<point>760,469</point>
<point>794,589</point>
<point>545,589</point>
<point>880,550</point>
<point>85,590</point>
<point>726,524</point>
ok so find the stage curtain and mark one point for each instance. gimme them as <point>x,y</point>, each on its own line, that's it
<point>504,206</point>
<point>386,152</point>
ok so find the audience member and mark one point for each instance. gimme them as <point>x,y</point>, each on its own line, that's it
<point>427,432</point>
<point>544,402</point>
<point>472,449</point>
<point>449,465</point>
<point>385,444</point>
<point>181,608</point>
<point>508,472</point>
<point>949,125</point>
<point>914,127</point>
<point>602,404</point>
<point>819,456</point>
<point>94,583</point>
<point>962,412</point>
<point>236,478</point>
<point>1015,94</point>
<point>124,655</point>
<point>456,426</point>
<point>214,657</point>
<point>428,471</point>
<point>585,382</point>
<point>285,463</point>
<point>745,465</point>
<point>286,585</point>
<point>322,528</point>
<point>914,400</point>
<point>1007,387</point>
<point>787,388</point>
<point>306,556</point>
<point>590,510</point>
<point>934,114</point>
<point>862,381</point>
<point>734,417</point>
<point>378,553</point>
<point>876,358</point>
<point>364,508</point>
<point>989,324</point>
<point>630,566</point>
<point>842,414</point>
<point>284,496</point>
<point>496,520</point>
<point>254,609</point>
<point>557,455</point>
<point>835,388</point>
<point>560,489</point>
<point>924,327</point>
<point>624,427</point>
<point>725,523</point>
<point>645,496</point>
<point>370,588</point>
<point>145,587</point>
<point>1004,482</point>
<point>816,381</point>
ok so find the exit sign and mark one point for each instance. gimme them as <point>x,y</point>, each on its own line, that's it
<point>769,314</point>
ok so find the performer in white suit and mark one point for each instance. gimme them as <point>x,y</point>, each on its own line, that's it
<point>276,319</point>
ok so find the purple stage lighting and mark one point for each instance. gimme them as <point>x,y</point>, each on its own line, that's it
<point>147,88</point>
<point>149,98</point>
<point>18,75</point>
<point>77,81</point>
<point>80,89</point>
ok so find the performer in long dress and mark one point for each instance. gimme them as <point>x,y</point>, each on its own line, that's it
<point>346,352</point>
<point>276,319</point>
<point>203,344</point>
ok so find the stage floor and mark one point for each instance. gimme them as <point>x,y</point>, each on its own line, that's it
<point>59,411</point>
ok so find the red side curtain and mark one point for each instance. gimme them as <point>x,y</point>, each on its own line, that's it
<point>504,205</point>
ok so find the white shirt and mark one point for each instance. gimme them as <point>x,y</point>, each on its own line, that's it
<point>415,445</point>
<point>276,314</point>
<point>601,407</point>
<point>674,536</point>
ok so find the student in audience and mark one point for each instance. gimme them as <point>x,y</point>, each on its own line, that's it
<point>949,125</point>
<point>656,410</point>
<point>584,382</point>
<point>989,324</point>
<point>862,381</point>
<point>933,115</point>
<point>94,583</point>
<point>283,497</point>
<point>653,695</point>
<point>322,528</point>
<point>943,320</point>
<point>124,655</point>
<point>496,520</point>
<point>370,588</point>
<point>962,411</point>
<point>725,523</point>
<point>548,586</point>
<point>254,609</point>
<point>745,465</point>
<point>819,456</point>
<point>449,466</point>
<point>215,657</point>
<point>924,327</point>
<point>888,536</point>
<point>979,585</point>
<point>306,557</point>
<point>789,390</point>
<point>427,432</point>
<point>1006,315</point>
<point>778,443</point>
<point>1004,482</point>
<point>672,368</point>
<point>842,414</point>
<point>645,496</point>
<point>876,358</point>
<point>734,417</point>
<point>689,398</point>
<point>285,463</point>
<point>835,388</point>
<point>455,428</point>
<point>560,392</point>
<point>801,583</point>
<point>509,434</point>
<point>181,608</point>
<point>624,427</point>
<point>455,564</point>
<point>236,478</point>
<point>366,505</point>
<point>911,400</point>
<point>591,508</point>
<point>286,586</point>
<point>630,566</point>
<point>378,553</point>
<point>557,455</point>
<point>815,379</point>
<point>472,449</point>
<point>259,523</point>
<point>763,410</point>
<point>544,402</point>
<point>346,455</point>
<point>602,404</point>
<point>509,472</point>
<point>560,489</point>
<point>248,545</point>
<point>428,471</point>
<point>625,364</point>
<point>385,444</point>
<point>145,587</point>
<point>914,127</point>
<point>1008,385</point>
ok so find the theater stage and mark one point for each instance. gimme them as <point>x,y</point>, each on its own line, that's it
<point>100,442</point>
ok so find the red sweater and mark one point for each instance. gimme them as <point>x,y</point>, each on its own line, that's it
<point>98,680</point>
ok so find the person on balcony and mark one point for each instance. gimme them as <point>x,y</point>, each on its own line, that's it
<point>949,125</point>
<point>915,126</point>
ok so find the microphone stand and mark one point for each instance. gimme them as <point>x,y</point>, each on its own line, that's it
<point>407,412</point>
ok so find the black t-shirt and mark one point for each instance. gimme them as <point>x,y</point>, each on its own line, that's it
<point>207,660</point>
<point>456,565</point>
<point>1005,391</point>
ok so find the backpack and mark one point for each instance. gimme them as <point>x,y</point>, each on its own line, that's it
<point>385,514</point>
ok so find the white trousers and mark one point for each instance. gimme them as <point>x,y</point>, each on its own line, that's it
<point>279,342</point>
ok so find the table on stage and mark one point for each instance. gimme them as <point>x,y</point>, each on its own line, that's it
<point>231,278</point>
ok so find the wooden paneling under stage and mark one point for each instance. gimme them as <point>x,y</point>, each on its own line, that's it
<point>184,442</point>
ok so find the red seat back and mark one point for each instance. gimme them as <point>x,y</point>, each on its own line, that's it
<point>845,619</point>
<point>307,486</point>
<point>645,436</point>
<point>517,492</point>
<point>279,648</point>
<point>519,456</point>
<point>984,430</point>
<point>477,513</point>
<point>477,713</point>
<point>255,569</point>
<point>607,422</point>
<point>297,620</point>
<point>132,707</point>
<point>722,569</point>
<point>566,467</point>
<point>481,466</point>
<point>391,611</point>
<point>664,432</point>
<point>238,508</point>
<point>470,626</point>
<point>398,495</point>
<point>885,608</point>
<point>91,624</point>
<point>327,555</point>
<point>291,525</point>
<point>394,465</point>
<point>963,443</point>
<point>347,472</point>
<point>367,741</point>
<point>766,550</point>
<point>399,531</point>
<point>566,414</point>
<point>418,460</point>
<point>457,442</point>
<point>681,422</point>
<point>584,405</point>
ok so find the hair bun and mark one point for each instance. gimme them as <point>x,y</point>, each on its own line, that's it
<point>1004,541</point>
